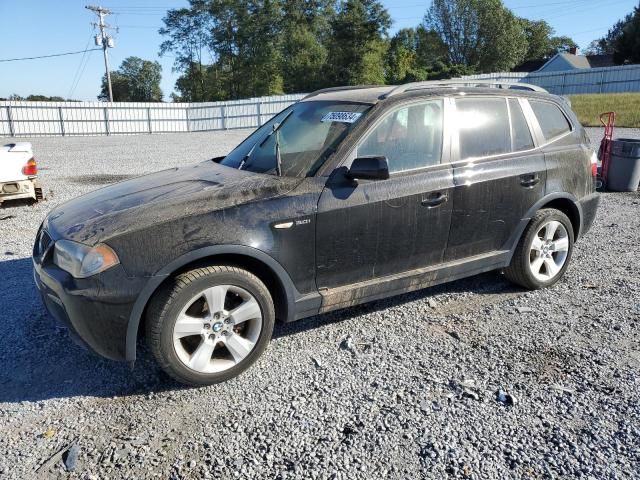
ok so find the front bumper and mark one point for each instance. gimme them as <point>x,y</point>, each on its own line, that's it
<point>19,189</point>
<point>96,310</point>
<point>588,207</point>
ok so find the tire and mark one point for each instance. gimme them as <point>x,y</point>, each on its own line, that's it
<point>182,332</point>
<point>545,253</point>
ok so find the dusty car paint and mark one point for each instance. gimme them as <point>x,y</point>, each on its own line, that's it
<point>326,241</point>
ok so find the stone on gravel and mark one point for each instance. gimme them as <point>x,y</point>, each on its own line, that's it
<point>505,398</point>
<point>71,459</point>
<point>525,309</point>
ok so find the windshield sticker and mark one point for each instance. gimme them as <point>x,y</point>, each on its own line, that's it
<point>344,117</point>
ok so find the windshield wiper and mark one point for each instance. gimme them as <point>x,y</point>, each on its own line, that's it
<point>278,158</point>
<point>274,129</point>
<point>246,157</point>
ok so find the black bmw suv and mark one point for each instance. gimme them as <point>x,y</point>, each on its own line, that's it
<point>347,196</point>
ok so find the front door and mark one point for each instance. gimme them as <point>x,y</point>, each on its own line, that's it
<point>368,230</point>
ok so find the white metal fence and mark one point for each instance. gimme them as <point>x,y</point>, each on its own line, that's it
<point>32,119</point>
<point>592,80</point>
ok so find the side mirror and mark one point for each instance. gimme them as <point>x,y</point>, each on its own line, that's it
<point>369,168</point>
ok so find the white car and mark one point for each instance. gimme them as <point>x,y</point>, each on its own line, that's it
<point>18,172</point>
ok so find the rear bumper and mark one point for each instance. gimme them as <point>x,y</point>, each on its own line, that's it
<point>18,189</point>
<point>95,310</point>
<point>588,207</point>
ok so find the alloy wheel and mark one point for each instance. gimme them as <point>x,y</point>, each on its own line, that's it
<point>549,251</point>
<point>217,329</point>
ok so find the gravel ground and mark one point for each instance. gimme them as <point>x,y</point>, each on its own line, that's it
<point>414,396</point>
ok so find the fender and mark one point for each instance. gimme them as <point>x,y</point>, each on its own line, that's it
<point>513,240</point>
<point>154,282</point>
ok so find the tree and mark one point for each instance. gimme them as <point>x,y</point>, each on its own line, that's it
<point>541,42</point>
<point>243,39</point>
<point>187,37</point>
<point>538,33</point>
<point>358,43</point>
<point>38,98</point>
<point>627,43</point>
<point>480,34</point>
<point>306,30</point>
<point>430,49</point>
<point>260,49</point>
<point>136,80</point>
<point>415,54</point>
<point>401,56</point>
<point>561,44</point>
<point>607,44</point>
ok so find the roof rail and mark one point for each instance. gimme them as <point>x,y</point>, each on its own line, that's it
<point>338,89</point>
<point>407,87</point>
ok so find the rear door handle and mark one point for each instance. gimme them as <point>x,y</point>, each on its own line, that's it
<point>529,180</point>
<point>435,199</point>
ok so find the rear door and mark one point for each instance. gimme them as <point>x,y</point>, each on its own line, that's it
<point>566,156</point>
<point>373,229</point>
<point>498,174</point>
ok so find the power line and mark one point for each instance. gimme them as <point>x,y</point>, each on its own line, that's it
<point>566,3</point>
<point>47,56</point>
<point>84,60</point>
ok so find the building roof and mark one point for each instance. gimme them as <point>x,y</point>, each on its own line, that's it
<point>597,61</point>
<point>529,66</point>
<point>578,61</point>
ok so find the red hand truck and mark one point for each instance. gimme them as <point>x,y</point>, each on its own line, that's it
<point>608,121</point>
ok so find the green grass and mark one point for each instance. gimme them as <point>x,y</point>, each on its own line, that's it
<point>589,107</point>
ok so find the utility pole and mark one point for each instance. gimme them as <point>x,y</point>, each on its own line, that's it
<point>104,39</point>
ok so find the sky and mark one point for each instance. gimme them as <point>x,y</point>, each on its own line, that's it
<point>43,27</point>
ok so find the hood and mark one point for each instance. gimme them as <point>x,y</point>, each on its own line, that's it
<point>160,197</point>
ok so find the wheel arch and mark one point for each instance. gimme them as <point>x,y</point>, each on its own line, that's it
<point>267,269</point>
<point>564,202</point>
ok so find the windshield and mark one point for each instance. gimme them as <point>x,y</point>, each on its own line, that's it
<point>307,133</point>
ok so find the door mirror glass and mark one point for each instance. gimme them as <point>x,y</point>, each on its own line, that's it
<point>369,168</point>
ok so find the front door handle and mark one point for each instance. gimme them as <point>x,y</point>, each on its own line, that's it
<point>434,200</point>
<point>529,180</point>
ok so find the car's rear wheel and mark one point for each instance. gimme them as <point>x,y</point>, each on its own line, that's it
<point>543,253</point>
<point>210,324</point>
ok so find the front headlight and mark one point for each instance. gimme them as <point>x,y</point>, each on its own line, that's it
<point>83,261</point>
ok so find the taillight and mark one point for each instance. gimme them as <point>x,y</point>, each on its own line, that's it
<point>594,164</point>
<point>31,168</point>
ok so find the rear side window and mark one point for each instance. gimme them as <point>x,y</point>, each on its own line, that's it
<point>520,133</point>
<point>483,127</point>
<point>551,119</point>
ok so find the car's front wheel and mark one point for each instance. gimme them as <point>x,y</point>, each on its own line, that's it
<point>210,324</point>
<point>543,253</point>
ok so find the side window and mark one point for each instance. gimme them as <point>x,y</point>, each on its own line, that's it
<point>410,137</point>
<point>551,119</point>
<point>483,127</point>
<point>520,133</point>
